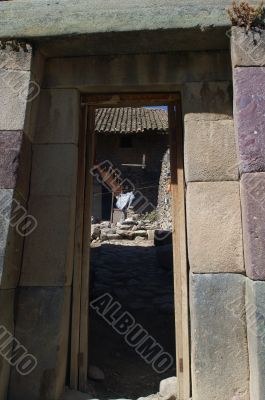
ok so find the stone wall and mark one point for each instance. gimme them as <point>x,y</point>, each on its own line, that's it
<point>145,15</point>
<point>152,181</point>
<point>220,319</point>
<point>205,81</point>
<point>164,204</point>
<point>47,267</point>
<point>38,171</point>
<point>20,74</point>
<point>219,351</point>
<point>248,57</point>
<point>109,73</point>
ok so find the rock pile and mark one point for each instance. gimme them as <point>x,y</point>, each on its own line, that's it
<point>167,391</point>
<point>130,229</point>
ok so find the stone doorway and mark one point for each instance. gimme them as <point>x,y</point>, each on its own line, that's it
<point>221,272</point>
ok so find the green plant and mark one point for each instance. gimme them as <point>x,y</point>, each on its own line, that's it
<point>151,216</point>
<point>245,15</point>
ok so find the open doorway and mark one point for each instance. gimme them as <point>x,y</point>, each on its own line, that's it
<point>131,265</point>
<point>130,340</point>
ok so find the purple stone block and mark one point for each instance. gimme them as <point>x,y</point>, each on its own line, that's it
<point>253,217</point>
<point>15,158</point>
<point>249,91</point>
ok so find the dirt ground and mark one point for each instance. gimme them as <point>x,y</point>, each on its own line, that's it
<point>129,271</point>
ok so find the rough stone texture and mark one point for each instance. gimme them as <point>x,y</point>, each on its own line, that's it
<point>10,144</point>
<point>48,251</point>
<point>54,170</point>
<point>208,100</point>
<point>14,92</point>
<point>58,117</point>
<point>37,71</point>
<point>20,79</point>
<point>247,49</point>
<point>6,320</point>
<point>249,117</point>
<point>118,265</point>
<point>16,60</point>
<point>253,217</point>
<point>214,227</point>
<point>168,387</point>
<point>132,228</point>
<point>219,363</point>
<point>15,161</point>
<point>96,17</point>
<point>95,373</point>
<point>255,306</point>
<point>98,74</point>
<point>210,151</point>
<point>42,325</point>
<point>12,210</point>
<point>37,66</point>
<point>164,201</point>
<point>137,42</point>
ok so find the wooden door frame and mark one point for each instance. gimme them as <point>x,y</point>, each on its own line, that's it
<point>181,295</point>
<point>80,307</point>
<point>80,295</point>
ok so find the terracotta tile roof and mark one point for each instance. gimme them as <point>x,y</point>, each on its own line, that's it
<point>131,120</point>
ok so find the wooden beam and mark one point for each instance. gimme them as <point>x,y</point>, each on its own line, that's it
<point>183,254</point>
<point>76,294</point>
<point>179,252</point>
<point>83,355</point>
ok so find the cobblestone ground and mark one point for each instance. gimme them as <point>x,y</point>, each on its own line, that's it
<point>129,271</point>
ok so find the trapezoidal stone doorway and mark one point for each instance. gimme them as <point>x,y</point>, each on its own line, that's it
<point>37,274</point>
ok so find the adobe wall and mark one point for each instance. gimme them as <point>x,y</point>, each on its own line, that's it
<point>220,346</point>
<point>146,180</point>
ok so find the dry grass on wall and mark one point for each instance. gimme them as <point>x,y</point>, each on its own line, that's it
<point>243,14</point>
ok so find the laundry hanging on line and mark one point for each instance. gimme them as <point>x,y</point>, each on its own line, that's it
<point>124,200</point>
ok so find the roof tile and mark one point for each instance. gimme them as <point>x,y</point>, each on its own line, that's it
<point>131,120</point>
